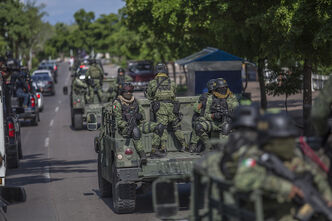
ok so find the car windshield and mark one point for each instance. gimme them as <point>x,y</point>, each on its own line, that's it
<point>141,67</point>
<point>41,77</point>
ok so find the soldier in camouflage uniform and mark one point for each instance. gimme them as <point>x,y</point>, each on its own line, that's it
<point>79,86</point>
<point>121,78</point>
<point>161,91</point>
<point>199,111</point>
<point>277,136</point>
<point>220,104</point>
<point>94,78</point>
<point>129,114</point>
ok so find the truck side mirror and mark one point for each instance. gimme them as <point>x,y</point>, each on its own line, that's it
<point>165,198</point>
<point>65,90</point>
<point>13,195</point>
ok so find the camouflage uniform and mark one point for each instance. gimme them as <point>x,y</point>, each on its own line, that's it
<point>322,109</point>
<point>79,86</point>
<point>161,91</point>
<point>252,176</point>
<point>208,124</point>
<point>121,78</point>
<point>96,76</point>
<point>120,109</point>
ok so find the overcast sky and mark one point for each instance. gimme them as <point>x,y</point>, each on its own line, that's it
<point>63,10</point>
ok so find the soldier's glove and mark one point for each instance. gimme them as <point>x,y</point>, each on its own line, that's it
<point>139,116</point>
<point>295,191</point>
<point>217,116</point>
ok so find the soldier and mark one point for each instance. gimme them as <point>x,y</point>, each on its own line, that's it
<point>94,78</point>
<point>121,78</point>
<point>161,91</point>
<point>22,90</point>
<point>128,116</point>
<point>79,86</point>
<point>199,111</point>
<point>220,104</point>
<point>276,138</point>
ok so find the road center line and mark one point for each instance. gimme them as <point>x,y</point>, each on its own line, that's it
<point>47,174</point>
<point>51,123</point>
<point>57,109</point>
<point>47,141</point>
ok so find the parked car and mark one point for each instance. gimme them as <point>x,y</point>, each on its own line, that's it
<point>50,65</point>
<point>40,96</point>
<point>141,73</point>
<point>44,81</point>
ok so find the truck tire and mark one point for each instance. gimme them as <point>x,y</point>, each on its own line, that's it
<point>78,121</point>
<point>105,188</point>
<point>13,162</point>
<point>19,145</point>
<point>127,202</point>
<point>35,121</point>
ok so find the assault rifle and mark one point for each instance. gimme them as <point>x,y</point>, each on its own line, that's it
<point>132,130</point>
<point>312,199</point>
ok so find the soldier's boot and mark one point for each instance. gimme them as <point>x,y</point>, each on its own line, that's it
<point>142,155</point>
<point>193,148</point>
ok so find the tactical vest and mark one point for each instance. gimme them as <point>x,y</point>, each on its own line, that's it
<point>94,72</point>
<point>163,90</point>
<point>218,105</point>
<point>129,110</point>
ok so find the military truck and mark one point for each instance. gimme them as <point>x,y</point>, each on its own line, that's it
<point>119,169</point>
<point>80,109</point>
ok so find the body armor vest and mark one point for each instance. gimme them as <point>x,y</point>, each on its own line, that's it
<point>164,89</point>
<point>218,105</point>
<point>129,110</point>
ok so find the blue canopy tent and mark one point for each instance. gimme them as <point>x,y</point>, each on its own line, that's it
<point>211,63</point>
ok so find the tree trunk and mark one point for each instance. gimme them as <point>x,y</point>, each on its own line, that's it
<point>174,71</point>
<point>260,71</point>
<point>30,59</point>
<point>307,96</point>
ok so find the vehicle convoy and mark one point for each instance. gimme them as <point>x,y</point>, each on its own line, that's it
<point>141,72</point>
<point>80,107</point>
<point>120,172</point>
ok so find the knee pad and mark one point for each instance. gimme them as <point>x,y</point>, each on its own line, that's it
<point>199,129</point>
<point>136,133</point>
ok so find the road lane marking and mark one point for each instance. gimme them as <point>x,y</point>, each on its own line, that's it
<point>57,109</point>
<point>51,123</point>
<point>47,141</point>
<point>47,174</point>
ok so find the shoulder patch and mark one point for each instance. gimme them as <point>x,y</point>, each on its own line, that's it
<point>114,106</point>
<point>250,162</point>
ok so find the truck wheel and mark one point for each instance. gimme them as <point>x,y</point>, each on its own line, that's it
<point>35,121</point>
<point>124,195</point>
<point>13,162</point>
<point>105,188</point>
<point>20,154</point>
<point>78,121</point>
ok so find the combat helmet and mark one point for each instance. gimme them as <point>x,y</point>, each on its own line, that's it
<point>126,87</point>
<point>245,116</point>
<point>211,85</point>
<point>276,125</point>
<point>121,70</point>
<point>221,86</point>
<point>161,68</point>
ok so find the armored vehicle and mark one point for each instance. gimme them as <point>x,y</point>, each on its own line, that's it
<point>119,169</point>
<point>79,107</point>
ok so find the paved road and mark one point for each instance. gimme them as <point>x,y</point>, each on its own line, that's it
<point>59,170</point>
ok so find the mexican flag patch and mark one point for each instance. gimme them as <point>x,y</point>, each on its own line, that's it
<point>249,162</point>
<point>114,106</point>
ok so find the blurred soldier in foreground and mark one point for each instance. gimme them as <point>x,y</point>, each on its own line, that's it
<point>161,91</point>
<point>199,111</point>
<point>94,78</point>
<point>278,169</point>
<point>128,116</point>
<point>220,104</point>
